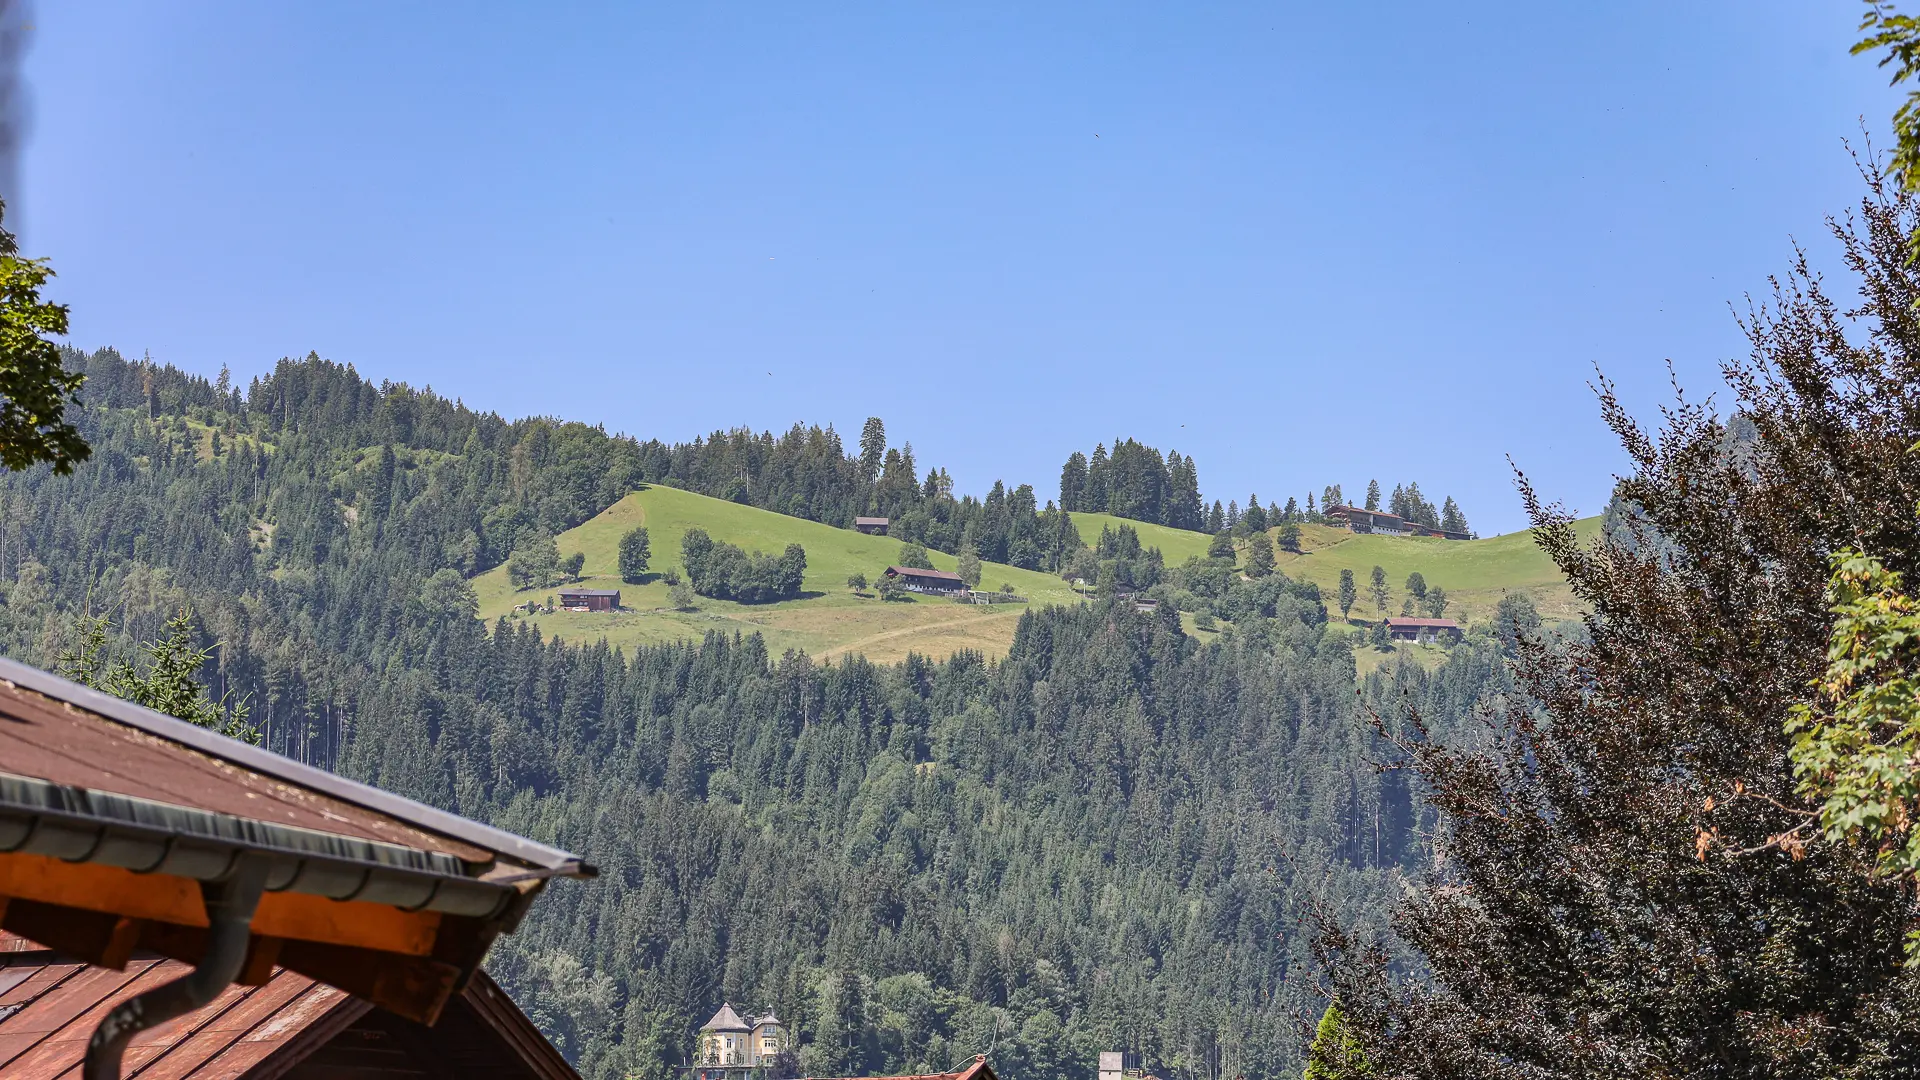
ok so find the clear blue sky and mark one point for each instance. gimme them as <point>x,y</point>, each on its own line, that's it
<point>1334,243</point>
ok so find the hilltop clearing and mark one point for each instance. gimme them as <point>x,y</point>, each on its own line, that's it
<point>1475,573</point>
<point>828,619</point>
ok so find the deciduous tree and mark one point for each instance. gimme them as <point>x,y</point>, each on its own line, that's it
<point>36,389</point>
<point>635,552</point>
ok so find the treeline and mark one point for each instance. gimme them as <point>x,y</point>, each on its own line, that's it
<point>1135,481</point>
<point>1072,850</point>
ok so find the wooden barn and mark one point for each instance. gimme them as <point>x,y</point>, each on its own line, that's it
<point>926,581</point>
<point>590,599</point>
<point>872,526</point>
<point>1425,631</point>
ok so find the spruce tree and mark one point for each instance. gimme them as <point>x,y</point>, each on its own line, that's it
<point>1379,588</point>
<point>873,448</point>
<point>1373,495</point>
<point>1073,478</point>
<point>1254,516</point>
<point>1348,593</point>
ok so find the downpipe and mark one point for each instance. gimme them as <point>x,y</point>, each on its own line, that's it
<point>230,905</point>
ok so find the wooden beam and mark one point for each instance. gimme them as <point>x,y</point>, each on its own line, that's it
<point>414,987</point>
<point>99,938</point>
<point>164,898</point>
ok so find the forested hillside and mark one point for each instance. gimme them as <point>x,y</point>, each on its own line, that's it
<point>1105,841</point>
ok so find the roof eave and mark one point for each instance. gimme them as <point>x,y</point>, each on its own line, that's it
<point>555,862</point>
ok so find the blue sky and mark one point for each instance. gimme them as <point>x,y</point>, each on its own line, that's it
<point>1303,245</point>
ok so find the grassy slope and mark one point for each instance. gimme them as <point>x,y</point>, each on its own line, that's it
<point>1474,572</point>
<point>1174,544</point>
<point>828,621</point>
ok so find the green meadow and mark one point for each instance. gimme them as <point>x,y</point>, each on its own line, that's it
<point>828,620</point>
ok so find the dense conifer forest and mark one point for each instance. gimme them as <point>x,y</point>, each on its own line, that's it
<point>1108,840</point>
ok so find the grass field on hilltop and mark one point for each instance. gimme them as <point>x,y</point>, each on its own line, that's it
<point>826,621</point>
<point>1174,544</point>
<point>1474,572</point>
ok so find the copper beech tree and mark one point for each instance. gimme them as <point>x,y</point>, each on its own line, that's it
<point>1630,877</point>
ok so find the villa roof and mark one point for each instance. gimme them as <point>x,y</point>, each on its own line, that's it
<point>767,1019</point>
<point>725,1020</point>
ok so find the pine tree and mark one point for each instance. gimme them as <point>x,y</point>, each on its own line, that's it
<point>1254,517</point>
<point>1373,495</point>
<point>1451,519</point>
<point>1216,518</point>
<point>1379,589</point>
<point>1348,593</point>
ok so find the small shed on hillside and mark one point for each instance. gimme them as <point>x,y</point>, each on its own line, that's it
<point>590,599</point>
<point>927,581</point>
<point>1423,630</point>
<point>872,526</point>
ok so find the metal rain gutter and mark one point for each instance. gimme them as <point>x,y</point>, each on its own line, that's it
<point>230,906</point>
<point>83,826</point>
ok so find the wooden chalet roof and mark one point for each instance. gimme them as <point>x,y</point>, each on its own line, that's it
<point>977,1069</point>
<point>870,521</point>
<point>113,817</point>
<point>1412,623</point>
<point>289,1026</point>
<point>589,592</point>
<point>932,575</point>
